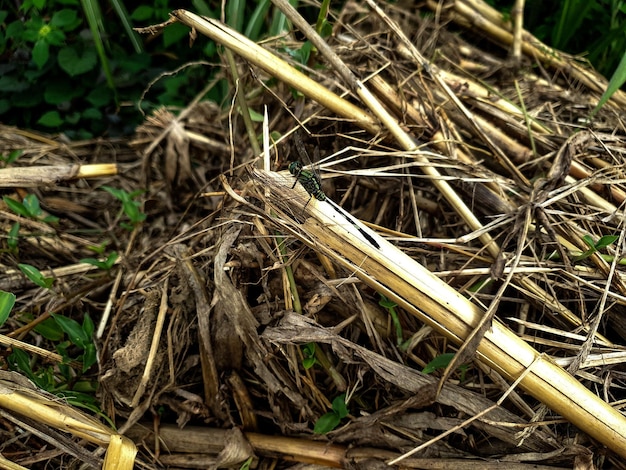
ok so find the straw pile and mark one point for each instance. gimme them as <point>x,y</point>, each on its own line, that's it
<point>495,204</point>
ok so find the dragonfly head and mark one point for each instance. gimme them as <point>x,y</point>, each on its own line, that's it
<point>295,168</point>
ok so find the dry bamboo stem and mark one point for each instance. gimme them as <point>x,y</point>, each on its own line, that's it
<point>19,398</point>
<point>35,176</point>
<point>472,14</point>
<point>275,66</point>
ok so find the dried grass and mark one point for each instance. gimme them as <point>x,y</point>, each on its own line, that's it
<point>480,179</point>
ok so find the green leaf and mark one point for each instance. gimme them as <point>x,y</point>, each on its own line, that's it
<point>89,356</point>
<point>74,63</point>
<point>174,33</point>
<point>49,219</point>
<point>132,211</point>
<point>50,119</point>
<point>88,326</point>
<point>9,83</point>
<point>5,105</point>
<point>56,37</point>
<point>256,117</point>
<point>50,330</point>
<point>13,236</point>
<point>15,30</point>
<point>235,10</point>
<point>617,80</point>
<point>142,13</point>
<point>16,206</point>
<point>440,362</point>
<point>72,118</point>
<point>605,241</point>
<point>41,52</point>
<point>340,407</point>
<point>31,203</point>
<point>202,8</point>
<point>386,303</point>
<point>100,96</point>
<point>326,423</point>
<point>7,301</point>
<point>308,351</point>
<point>73,330</point>
<point>32,273</point>
<point>105,265</point>
<point>92,113</point>
<point>64,19</point>
<point>19,360</point>
<point>13,156</point>
<point>588,239</point>
<point>58,92</point>
<point>257,20</point>
<point>117,193</point>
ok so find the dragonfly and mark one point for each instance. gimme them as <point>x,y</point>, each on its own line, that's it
<point>311,182</point>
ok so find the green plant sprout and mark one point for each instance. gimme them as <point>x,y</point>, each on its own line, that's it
<point>308,351</point>
<point>331,420</point>
<point>391,308</point>
<point>246,464</point>
<point>594,247</point>
<point>80,336</point>
<point>36,276</point>
<point>29,208</point>
<point>441,362</point>
<point>105,265</point>
<point>130,206</point>
<point>603,242</point>
<point>11,157</point>
<point>60,380</point>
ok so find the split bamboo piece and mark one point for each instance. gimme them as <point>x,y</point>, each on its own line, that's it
<point>391,272</point>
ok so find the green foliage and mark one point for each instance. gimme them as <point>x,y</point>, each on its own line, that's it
<point>617,80</point>
<point>36,276</point>
<point>441,362</point>
<point>80,336</point>
<point>331,420</point>
<point>62,380</point>
<point>595,246</point>
<point>7,160</point>
<point>391,308</point>
<point>57,78</point>
<point>308,351</point>
<point>29,208</point>
<point>105,265</point>
<point>7,300</point>
<point>130,206</point>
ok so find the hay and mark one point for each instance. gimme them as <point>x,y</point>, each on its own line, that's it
<point>482,182</point>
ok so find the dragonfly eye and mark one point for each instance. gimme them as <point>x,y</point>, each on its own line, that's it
<point>295,168</point>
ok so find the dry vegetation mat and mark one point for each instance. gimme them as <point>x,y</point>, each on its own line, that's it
<point>449,293</point>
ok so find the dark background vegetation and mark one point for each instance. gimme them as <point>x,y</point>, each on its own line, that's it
<point>61,72</point>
